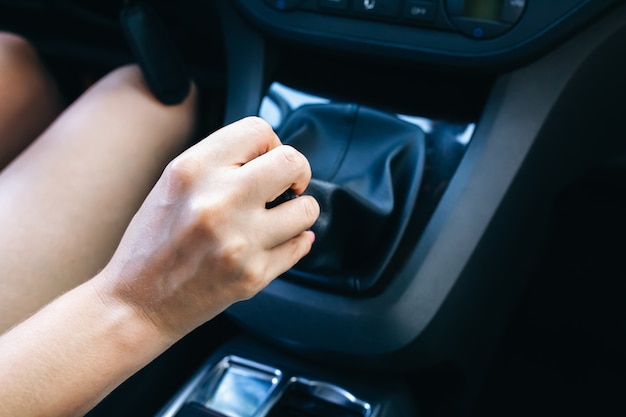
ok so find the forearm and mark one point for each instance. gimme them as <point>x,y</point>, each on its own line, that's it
<point>63,360</point>
<point>202,240</point>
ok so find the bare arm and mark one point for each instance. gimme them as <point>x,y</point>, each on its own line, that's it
<point>201,241</point>
<point>71,354</point>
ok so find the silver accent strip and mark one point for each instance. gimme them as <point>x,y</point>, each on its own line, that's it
<point>206,383</point>
<point>331,393</point>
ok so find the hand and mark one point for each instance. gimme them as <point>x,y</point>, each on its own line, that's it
<point>203,238</point>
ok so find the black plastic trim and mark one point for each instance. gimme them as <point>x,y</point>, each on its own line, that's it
<point>540,28</point>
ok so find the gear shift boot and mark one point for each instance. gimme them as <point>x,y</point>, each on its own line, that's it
<point>367,167</point>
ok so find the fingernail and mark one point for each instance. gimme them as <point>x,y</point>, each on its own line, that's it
<point>311,235</point>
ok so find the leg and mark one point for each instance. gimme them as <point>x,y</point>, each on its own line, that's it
<point>29,98</point>
<point>67,199</point>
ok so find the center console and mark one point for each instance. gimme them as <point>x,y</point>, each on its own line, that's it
<point>247,379</point>
<point>436,147</point>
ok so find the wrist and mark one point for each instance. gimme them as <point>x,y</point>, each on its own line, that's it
<point>73,352</point>
<point>137,328</point>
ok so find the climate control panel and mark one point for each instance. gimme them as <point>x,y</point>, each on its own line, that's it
<point>479,19</point>
<point>466,32</point>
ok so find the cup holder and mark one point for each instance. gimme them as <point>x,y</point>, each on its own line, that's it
<point>303,398</point>
<point>238,387</point>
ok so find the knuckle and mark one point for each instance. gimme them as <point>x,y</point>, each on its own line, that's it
<point>258,124</point>
<point>206,219</point>
<point>294,160</point>
<point>250,284</point>
<point>311,208</point>
<point>181,172</point>
<point>231,256</point>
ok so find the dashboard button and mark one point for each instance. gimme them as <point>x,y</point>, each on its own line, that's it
<point>420,10</point>
<point>377,8</point>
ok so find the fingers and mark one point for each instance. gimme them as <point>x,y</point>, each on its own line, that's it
<point>269,168</point>
<point>287,254</point>
<point>263,169</point>
<point>204,238</point>
<point>273,173</point>
<point>288,219</point>
<point>260,169</point>
<point>238,143</point>
<point>266,178</point>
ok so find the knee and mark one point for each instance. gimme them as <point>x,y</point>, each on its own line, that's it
<point>126,88</point>
<point>13,45</point>
<point>131,76</point>
<point>129,79</point>
<point>24,76</point>
<point>16,53</point>
<point>25,80</point>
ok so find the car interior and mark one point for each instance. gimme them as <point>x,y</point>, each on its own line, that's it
<point>469,159</point>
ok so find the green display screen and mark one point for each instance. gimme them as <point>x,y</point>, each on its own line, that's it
<point>483,9</point>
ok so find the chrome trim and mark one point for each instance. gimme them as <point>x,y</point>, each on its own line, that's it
<point>331,393</point>
<point>209,380</point>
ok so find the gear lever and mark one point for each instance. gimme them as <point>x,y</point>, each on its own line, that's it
<point>367,168</point>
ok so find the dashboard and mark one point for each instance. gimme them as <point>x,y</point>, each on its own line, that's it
<point>467,33</point>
